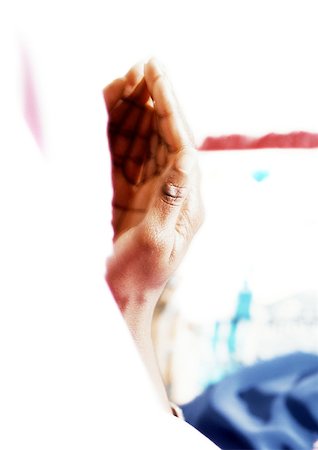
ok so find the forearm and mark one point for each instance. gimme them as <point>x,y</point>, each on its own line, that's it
<point>139,324</point>
<point>137,308</point>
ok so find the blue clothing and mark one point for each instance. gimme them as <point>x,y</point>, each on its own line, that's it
<point>271,405</point>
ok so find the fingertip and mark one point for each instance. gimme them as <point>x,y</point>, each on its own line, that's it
<point>113,91</point>
<point>136,71</point>
<point>154,62</point>
<point>133,77</point>
<point>153,69</point>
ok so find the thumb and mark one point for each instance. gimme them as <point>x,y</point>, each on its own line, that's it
<point>174,190</point>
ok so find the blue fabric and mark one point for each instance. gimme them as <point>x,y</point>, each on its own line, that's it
<point>272,405</point>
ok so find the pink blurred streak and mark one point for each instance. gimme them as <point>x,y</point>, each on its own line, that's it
<point>30,100</point>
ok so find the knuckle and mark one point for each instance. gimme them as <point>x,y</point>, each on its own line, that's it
<point>173,194</point>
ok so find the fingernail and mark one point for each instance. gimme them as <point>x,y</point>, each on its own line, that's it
<point>185,163</point>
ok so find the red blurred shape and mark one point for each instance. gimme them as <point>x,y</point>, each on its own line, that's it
<point>296,139</point>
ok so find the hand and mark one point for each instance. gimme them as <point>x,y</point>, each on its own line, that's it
<point>140,152</point>
<point>156,204</point>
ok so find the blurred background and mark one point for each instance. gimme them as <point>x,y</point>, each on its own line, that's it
<point>248,289</point>
<point>238,66</point>
<point>241,66</point>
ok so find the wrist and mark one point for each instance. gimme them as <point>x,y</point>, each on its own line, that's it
<point>131,280</point>
<point>136,303</point>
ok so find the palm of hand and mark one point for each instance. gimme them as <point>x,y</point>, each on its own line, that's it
<point>140,155</point>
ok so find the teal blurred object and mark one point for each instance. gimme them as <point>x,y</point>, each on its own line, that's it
<point>260,175</point>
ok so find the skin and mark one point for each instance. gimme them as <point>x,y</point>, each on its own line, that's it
<point>157,207</point>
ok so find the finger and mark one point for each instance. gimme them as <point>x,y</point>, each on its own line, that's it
<point>171,124</point>
<point>138,163</point>
<point>122,87</point>
<point>113,92</point>
<point>135,105</point>
<point>133,77</point>
<point>174,191</point>
<point>129,130</point>
<point>129,109</point>
<point>141,137</point>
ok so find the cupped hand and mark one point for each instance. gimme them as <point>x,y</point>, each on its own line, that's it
<point>156,204</point>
